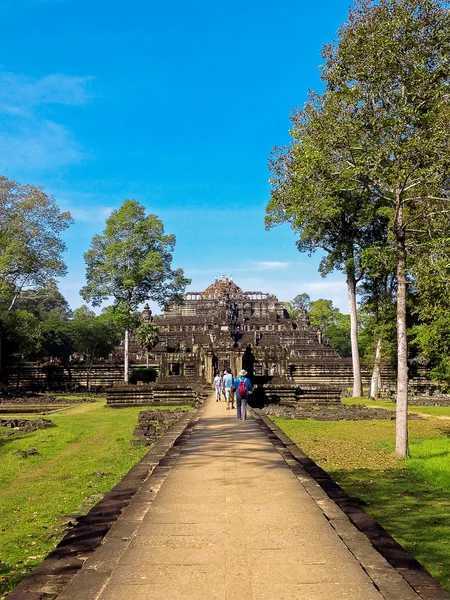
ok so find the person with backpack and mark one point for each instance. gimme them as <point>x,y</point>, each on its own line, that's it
<point>243,386</point>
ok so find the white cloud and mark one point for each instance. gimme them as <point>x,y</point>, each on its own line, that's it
<point>88,215</point>
<point>29,139</point>
<point>38,145</point>
<point>20,94</point>
<point>271,265</point>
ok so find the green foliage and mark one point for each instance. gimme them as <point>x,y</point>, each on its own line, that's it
<point>433,341</point>
<point>301,302</point>
<point>430,338</point>
<point>145,375</point>
<point>93,335</point>
<point>147,335</point>
<point>131,262</point>
<point>46,303</point>
<point>333,324</point>
<point>23,335</point>
<point>339,335</point>
<point>323,314</point>
<point>31,247</point>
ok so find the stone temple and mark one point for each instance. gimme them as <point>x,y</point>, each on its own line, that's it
<point>226,327</point>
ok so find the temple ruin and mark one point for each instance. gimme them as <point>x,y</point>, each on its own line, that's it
<point>226,327</point>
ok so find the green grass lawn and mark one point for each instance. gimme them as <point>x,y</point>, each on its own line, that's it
<point>407,497</point>
<point>78,462</point>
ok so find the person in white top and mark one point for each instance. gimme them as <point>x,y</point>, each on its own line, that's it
<point>218,384</point>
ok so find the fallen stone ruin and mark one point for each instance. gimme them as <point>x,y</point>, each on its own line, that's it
<point>32,403</point>
<point>153,424</point>
<point>26,425</point>
<point>330,412</point>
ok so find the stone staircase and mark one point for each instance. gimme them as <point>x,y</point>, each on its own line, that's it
<point>284,392</point>
<point>164,392</point>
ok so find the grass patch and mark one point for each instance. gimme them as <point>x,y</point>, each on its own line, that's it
<point>409,497</point>
<point>78,462</point>
<point>369,403</point>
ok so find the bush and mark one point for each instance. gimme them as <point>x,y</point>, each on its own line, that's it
<point>144,375</point>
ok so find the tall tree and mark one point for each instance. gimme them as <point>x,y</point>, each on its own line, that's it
<point>328,212</point>
<point>378,294</point>
<point>387,82</point>
<point>31,248</point>
<point>132,263</point>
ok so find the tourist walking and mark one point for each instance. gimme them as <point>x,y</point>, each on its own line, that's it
<point>243,386</point>
<point>218,384</point>
<point>222,391</point>
<point>228,385</point>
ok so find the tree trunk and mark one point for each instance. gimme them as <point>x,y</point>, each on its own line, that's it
<point>18,372</point>
<point>401,429</point>
<point>351,288</point>
<point>375,381</point>
<point>125,355</point>
<point>147,359</point>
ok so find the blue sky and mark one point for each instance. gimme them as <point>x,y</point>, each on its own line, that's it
<point>175,104</point>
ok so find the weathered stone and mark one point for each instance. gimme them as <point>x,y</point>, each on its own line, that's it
<point>225,327</point>
<point>330,412</point>
<point>26,425</point>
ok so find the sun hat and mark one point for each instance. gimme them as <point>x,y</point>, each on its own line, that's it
<point>242,373</point>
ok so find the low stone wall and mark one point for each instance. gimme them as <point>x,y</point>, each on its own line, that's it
<point>282,391</point>
<point>435,400</point>
<point>153,424</point>
<point>36,400</point>
<point>162,392</point>
<point>36,376</point>
<point>32,403</point>
<point>358,412</point>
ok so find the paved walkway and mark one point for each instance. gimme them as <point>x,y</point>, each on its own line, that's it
<point>230,521</point>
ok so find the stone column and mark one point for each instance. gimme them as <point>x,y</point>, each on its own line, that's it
<point>209,375</point>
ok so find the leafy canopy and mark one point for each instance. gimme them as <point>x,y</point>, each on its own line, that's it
<point>131,261</point>
<point>31,247</point>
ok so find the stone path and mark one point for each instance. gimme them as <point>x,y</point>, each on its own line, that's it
<point>230,521</point>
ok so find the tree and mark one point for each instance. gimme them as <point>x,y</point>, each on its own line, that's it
<point>299,303</point>
<point>378,293</point>
<point>431,336</point>
<point>23,337</point>
<point>333,324</point>
<point>323,314</point>
<point>93,336</point>
<point>328,213</point>
<point>46,303</point>
<point>147,335</point>
<point>338,334</point>
<point>387,83</point>
<point>31,247</point>
<point>132,263</point>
